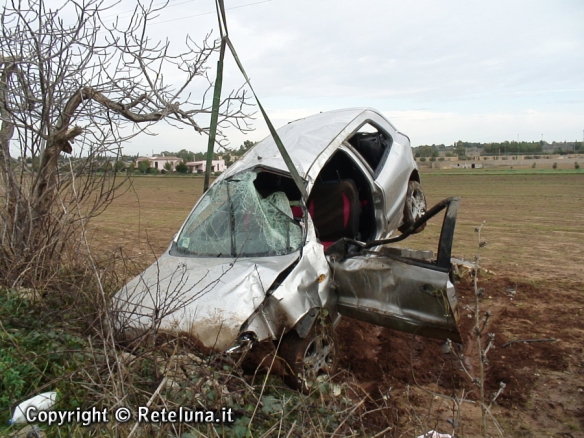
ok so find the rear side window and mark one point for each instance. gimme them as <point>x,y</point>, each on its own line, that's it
<point>373,145</point>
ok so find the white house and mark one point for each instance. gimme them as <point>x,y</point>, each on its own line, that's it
<point>158,162</point>
<point>201,166</point>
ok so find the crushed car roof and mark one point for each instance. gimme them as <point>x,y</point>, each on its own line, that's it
<point>305,140</point>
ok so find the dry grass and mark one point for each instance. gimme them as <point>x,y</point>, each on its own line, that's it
<point>145,218</point>
<point>533,220</point>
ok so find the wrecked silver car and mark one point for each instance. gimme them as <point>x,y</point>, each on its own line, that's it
<point>256,263</point>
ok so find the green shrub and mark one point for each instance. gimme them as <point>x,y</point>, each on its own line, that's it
<point>555,166</point>
<point>533,166</point>
<point>182,167</point>
<point>35,354</point>
<point>576,165</point>
<point>144,166</point>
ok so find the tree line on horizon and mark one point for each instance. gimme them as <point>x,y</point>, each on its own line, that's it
<point>503,148</point>
<point>230,155</point>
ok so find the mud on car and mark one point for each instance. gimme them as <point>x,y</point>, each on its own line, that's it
<point>258,267</point>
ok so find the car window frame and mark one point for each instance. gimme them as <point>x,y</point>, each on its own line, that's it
<point>377,192</point>
<point>374,172</point>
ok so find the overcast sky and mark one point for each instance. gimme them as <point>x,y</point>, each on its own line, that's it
<point>441,71</point>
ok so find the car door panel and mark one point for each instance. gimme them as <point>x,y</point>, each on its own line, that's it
<point>398,294</point>
<point>402,289</point>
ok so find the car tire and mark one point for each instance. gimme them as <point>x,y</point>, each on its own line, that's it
<point>414,208</point>
<point>309,358</point>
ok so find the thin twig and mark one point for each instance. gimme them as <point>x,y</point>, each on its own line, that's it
<point>154,395</point>
<point>506,344</point>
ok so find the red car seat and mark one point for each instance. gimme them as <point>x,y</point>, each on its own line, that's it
<point>335,209</point>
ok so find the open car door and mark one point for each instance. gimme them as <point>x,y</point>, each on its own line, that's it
<point>401,289</point>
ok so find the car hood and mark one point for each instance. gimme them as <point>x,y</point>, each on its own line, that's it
<point>207,298</point>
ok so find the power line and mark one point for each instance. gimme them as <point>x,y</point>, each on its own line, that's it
<point>168,4</point>
<point>187,17</point>
<point>208,13</point>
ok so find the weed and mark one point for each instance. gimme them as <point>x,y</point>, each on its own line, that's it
<point>39,352</point>
<point>36,354</point>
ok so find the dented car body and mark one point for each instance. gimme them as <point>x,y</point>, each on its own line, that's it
<point>255,262</point>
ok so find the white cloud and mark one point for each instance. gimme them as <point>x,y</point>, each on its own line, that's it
<point>481,71</point>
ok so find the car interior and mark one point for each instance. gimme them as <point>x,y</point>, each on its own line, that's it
<point>340,203</point>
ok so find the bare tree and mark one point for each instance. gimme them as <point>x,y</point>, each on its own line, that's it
<point>70,84</point>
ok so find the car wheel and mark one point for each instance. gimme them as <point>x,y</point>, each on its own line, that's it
<point>415,207</point>
<point>309,358</point>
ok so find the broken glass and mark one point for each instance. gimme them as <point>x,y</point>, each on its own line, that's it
<point>234,220</point>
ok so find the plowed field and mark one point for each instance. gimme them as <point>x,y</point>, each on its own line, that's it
<point>534,229</point>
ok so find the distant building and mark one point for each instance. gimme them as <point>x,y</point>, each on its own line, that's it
<point>466,165</point>
<point>201,166</point>
<point>548,148</point>
<point>560,146</point>
<point>158,162</point>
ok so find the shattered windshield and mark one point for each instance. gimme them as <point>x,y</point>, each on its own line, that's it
<point>234,220</point>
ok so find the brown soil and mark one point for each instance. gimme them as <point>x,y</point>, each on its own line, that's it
<point>544,393</point>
